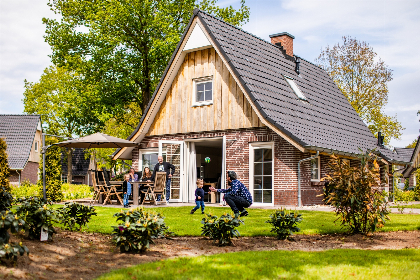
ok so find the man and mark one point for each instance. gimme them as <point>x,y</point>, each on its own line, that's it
<point>133,176</point>
<point>237,196</point>
<point>170,170</point>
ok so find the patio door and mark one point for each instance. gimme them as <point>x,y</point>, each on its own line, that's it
<point>174,155</point>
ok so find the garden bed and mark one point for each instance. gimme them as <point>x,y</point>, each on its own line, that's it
<point>74,255</point>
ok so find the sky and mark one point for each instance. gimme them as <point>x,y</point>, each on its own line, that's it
<point>390,27</point>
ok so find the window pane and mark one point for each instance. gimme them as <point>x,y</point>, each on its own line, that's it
<point>257,196</point>
<point>200,87</point>
<point>267,168</point>
<point>258,155</point>
<point>209,96</point>
<point>314,169</point>
<point>267,182</point>
<point>257,182</point>
<point>209,85</point>
<point>257,168</point>
<point>268,154</point>
<point>267,196</point>
<point>200,96</point>
<point>175,193</point>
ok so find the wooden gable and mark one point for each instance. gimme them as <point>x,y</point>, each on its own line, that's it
<point>230,108</point>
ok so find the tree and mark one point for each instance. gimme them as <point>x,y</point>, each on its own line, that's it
<point>4,166</point>
<point>52,174</point>
<point>413,144</point>
<point>122,47</point>
<point>56,97</point>
<point>362,78</point>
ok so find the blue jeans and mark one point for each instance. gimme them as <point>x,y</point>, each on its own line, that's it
<point>125,199</point>
<point>199,203</point>
<point>168,191</point>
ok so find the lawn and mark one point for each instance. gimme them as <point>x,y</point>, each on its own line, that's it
<point>182,223</point>
<point>408,206</point>
<point>332,264</point>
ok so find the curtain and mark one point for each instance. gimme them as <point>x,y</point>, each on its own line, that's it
<point>192,170</point>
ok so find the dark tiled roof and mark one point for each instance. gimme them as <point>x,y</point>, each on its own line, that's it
<point>80,165</point>
<point>19,132</point>
<point>326,120</point>
<point>406,153</point>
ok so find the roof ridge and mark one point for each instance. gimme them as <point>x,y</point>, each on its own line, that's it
<point>26,115</point>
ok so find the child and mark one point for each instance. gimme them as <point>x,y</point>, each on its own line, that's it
<point>199,197</point>
<point>126,190</point>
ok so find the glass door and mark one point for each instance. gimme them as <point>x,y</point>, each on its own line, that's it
<point>261,167</point>
<point>174,151</point>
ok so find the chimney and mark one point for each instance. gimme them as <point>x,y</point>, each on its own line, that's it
<point>285,40</point>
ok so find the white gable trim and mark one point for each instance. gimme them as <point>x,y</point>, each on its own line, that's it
<point>197,40</point>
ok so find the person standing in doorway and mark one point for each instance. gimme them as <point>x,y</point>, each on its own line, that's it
<point>162,166</point>
<point>237,196</point>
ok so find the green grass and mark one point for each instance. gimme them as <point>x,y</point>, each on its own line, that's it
<point>182,223</point>
<point>409,206</point>
<point>332,264</point>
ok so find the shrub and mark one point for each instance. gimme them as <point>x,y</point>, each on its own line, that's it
<point>4,166</point>
<point>52,175</point>
<point>6,199</point>
<point>417,186</point>
<point>137,228</point>
<point>74,213</point>
<point>284,223</point>
<point>72,191</point>
<point>403,196</point>
<point>12,222</point>
<point>26,189</point>
<point>354,194</point>
<point>222,229</point>
<point>38,215</point>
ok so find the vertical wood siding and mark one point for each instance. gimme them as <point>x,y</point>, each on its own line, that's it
<point>230,108</point>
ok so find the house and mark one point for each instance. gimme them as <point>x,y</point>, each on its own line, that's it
<point>80,166</point>
<point>410,171</point>
<point>23,138</point>
<point>229,100</point>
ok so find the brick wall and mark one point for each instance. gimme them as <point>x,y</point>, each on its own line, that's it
<point>30,172</point>
<point>286,158</point>
<point>286,43</point>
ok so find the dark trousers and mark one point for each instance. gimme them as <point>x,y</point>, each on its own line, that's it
<point>168,191</point>
<point>237,203</point>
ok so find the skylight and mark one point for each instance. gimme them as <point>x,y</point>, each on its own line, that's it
<point>295,88</point>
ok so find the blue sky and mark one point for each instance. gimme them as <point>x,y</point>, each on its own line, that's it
<point>390,27</point>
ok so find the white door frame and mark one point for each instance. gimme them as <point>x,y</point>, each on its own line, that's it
<point>181,166</point>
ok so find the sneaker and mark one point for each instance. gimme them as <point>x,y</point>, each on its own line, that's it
<point>167,202</point>
<point>192,212</point>
<point>202,212</point>
<point>244,213</point>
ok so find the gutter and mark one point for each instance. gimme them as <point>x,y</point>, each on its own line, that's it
<point>299,191</point>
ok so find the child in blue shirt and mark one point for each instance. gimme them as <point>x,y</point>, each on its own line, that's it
<point>126,190</point>
<point>199,197</point>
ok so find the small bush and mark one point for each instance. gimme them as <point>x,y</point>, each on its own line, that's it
<point>10,222</point>
<point>6,199</point>
<point>37,214</point>
<point>26,189</point>
<point>72,191</point>
<point>222,229</point>
<point>52,175</point>
<point>74,213</point>
<point>403,196</point>
<point>284,223</point>
<point>137,228</point>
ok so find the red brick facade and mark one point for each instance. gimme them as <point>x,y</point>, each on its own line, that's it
<point>286,42</point>
<point>30,172</point>
<point>286,158</point>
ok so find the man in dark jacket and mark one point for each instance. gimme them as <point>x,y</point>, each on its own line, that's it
<point>237,196</point>
<point>169,169</point>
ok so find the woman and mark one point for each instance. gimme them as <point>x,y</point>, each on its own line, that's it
<point>147,177</point>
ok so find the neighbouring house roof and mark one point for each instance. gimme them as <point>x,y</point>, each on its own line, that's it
<point>406,153</point>
<point>325,122</point>
<point>414,159</point>
<point>80,165</point>
<point>19,132</point>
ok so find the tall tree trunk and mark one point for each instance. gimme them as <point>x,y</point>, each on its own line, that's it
<point>69,165</point>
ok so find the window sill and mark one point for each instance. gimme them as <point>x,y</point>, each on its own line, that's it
<point>202,104</point>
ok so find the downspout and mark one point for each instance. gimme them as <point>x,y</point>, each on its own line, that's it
<point>302,160</point>
<point>19,175</point>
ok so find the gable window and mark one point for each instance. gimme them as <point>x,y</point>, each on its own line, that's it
<point>315,170</point>
<point>203,91</point>
<point>36,146</point>
<point>295,88</point>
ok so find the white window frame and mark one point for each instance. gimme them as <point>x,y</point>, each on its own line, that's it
<point>252,147</point>
<point>319,170</point>
<point>198,81</point>
<point>295,88</point>
<point>36,146</point>
<point>146,151</point>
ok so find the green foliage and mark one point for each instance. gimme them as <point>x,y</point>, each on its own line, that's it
<point>73,213</point>
<point>406,184</point>
<point>52,174</point>
<point>37,214</point>
<point>72,191</point>
<point>403,196</point>
<point>222,229</point>
<point>417,186</point>
<point>4,166</point>
<point>412,144</point>
<point>123,49</point>
<point>284,223</point>
<point>137,228</point>
<point>6,199</point>
<point>26,189</point>
<point>361,207</point>
<point>362,78</point>
<point>13,223</point>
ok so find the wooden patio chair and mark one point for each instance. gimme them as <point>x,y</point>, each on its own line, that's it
<point>158,188</point>
<point>111,190</point>
<point>98,187</point>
